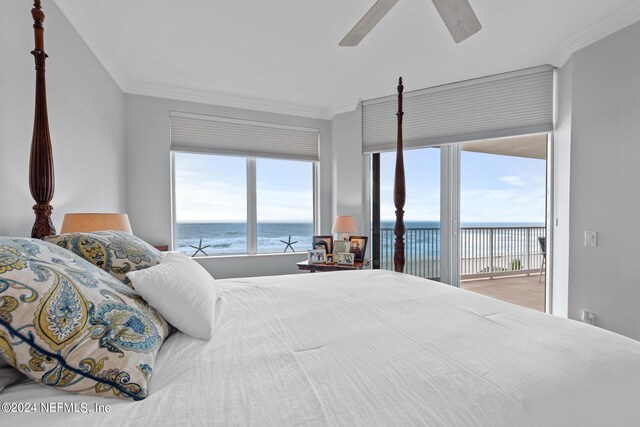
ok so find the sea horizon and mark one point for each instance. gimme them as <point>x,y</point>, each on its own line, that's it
<point>225,238</point>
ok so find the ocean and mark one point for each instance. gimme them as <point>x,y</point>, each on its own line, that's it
<point>231,238</point>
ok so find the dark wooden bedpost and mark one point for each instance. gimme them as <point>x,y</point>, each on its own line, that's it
<point>399,191</point>
<point>41,179</point>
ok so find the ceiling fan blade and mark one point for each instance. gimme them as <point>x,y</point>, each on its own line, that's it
<point>368,21</point>
<point>459,17</point>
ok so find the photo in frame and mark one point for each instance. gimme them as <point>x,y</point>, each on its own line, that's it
<point>345,258</point>
<point>317,256</point>
<point>323,242</point>
<point>358,246</point>
<point>341,246</point>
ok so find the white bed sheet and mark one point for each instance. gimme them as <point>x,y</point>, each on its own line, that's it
<point>372,348</point>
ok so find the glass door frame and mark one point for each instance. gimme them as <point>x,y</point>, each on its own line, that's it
<point>450,159</point>
<point>450,214</point>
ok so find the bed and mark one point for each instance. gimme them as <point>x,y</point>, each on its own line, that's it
<point>373,348</point>
<point>352,348</point>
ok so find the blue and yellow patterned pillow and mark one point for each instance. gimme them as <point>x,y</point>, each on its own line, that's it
<point>115,252</point>
<point>69,325</point>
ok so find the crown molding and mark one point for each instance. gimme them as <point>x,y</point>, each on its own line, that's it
<point>602,29</point>
<point>82,26</point>
<point>343,107</point>
<point>225,100</point>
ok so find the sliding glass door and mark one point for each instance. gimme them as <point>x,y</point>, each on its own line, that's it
<point>503,191</point>
<point>474,213</point>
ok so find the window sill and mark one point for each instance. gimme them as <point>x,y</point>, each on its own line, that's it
<point>249,256</point>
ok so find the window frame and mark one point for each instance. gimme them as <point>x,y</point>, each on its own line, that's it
<point>252,198</point>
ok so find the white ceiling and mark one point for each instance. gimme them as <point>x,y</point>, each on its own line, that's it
<point>283,55</point>
<point>530,146</point>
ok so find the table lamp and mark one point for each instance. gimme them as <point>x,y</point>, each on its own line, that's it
<point>88,222</point>
<point>344,224</point>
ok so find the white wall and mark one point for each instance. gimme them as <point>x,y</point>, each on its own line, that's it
<point>350,170</point>
<point>605,180</point>
<point>86,121</point>
<point>149,177</point>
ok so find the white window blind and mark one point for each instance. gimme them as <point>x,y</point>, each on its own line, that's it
<point>509,104</point>
<point>201,133</point>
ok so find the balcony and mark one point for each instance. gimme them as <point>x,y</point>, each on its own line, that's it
<point>526,291</point>
<point>501,262</point>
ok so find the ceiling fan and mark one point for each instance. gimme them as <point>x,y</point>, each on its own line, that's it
<point>458,16</point>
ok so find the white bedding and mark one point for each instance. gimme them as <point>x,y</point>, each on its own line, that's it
<point>372,348</point>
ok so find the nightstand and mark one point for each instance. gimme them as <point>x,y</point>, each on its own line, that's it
<point>304,265</point>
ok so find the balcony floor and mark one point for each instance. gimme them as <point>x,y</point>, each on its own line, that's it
<point>521,290</point>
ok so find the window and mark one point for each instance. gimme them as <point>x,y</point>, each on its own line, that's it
<point>284,203</point>
<point>242,186</point>
<point>242,204</point>
<point>211,203</point>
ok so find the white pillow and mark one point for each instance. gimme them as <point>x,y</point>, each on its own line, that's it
<point>182,291</point>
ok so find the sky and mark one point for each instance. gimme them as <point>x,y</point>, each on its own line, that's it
<point>212,188</point>
<point>494,189</point>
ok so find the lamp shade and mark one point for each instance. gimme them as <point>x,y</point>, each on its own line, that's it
<point>88,222</point>
<point>344,224</point>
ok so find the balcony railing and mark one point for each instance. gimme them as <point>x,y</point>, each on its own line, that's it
<point>484,251</point>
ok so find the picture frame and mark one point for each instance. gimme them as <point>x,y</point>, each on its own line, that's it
<point>345,258</point>
<point>358,246</point>
<point>324,241</point>
<point>330,259</point>
<point>341,246</point>
<point>317,256</point>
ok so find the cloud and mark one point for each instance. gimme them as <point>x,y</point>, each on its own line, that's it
<point>515,180</point>
<point>285,206</point>
<point>506,206</point>
<point>201,198</point>
<point>522,202</point>
<point>205,201</point>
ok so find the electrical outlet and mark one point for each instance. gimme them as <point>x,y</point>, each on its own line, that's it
<point>588,317</point>
<point>591,238</point>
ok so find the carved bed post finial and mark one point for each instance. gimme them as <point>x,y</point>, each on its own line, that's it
<point>41,179</point>
<point>399,191</point>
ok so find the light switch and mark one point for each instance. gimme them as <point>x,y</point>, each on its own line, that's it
<point>591,238</point>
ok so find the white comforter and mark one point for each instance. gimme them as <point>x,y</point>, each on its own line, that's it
<point>373,348</point>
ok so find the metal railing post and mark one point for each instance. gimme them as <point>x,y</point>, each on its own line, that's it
<point>491,251</point>
<point>528,248</point>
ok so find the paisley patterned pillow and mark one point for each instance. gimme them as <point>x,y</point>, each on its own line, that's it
<point>67,324</point>
<point>115,252</point>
